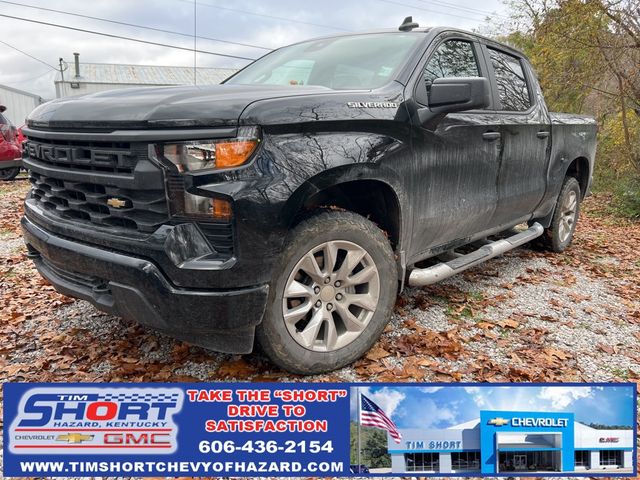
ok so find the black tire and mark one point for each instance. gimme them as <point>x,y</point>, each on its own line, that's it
<point>560,233</point>
<point>275,337</point>
<point>7,174</point>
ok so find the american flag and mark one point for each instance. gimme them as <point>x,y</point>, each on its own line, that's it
<point>371,415</point>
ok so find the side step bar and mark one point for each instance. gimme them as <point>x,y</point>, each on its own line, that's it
<point>426,276</point>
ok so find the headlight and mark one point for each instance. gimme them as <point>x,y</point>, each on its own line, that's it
<point>196,155</point>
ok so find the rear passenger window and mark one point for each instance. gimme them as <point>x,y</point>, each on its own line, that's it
<point>512,84</point>
<point>454,58</point>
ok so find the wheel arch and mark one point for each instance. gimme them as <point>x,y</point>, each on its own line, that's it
<point>372,197</point>
<point>580,169</point>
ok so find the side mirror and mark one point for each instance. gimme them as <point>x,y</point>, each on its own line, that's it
<point>456,94</point>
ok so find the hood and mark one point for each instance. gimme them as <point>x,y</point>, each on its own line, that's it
<point>148,107</point>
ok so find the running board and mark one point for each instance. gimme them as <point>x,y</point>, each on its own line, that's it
<point>426,276</point>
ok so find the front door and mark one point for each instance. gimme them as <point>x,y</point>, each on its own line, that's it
<point>520,462</point>
<point>455,172</point>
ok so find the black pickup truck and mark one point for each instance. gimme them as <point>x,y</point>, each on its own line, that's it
<point>290,204</point>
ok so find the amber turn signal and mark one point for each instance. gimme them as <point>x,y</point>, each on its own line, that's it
<point>221,209</point>
<point>234,154</point>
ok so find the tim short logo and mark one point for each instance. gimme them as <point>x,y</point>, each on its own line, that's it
<point>96,420</point>
<point>498,421</point>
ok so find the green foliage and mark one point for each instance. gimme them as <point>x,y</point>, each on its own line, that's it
<point>615,159</point>
<point>613,141</point>
<point>599,426</point>
<point>627,198</point>
<point>375,449</point>
<point>373,442</point>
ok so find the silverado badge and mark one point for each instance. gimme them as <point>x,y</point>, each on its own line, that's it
<point>372,105</point>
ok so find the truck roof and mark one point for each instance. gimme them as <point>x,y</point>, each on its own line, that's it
<point>425,30</point>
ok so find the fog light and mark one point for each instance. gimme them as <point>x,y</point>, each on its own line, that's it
<point>221,209</point>
<point>216,208</point>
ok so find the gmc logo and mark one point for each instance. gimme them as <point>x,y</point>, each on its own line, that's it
<point>609,440</point>
<point>139,439</point>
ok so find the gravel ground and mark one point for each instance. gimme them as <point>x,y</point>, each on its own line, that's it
<point>526,316</point>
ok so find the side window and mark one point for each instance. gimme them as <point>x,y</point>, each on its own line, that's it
<point>512,84</point>
<point>454,58</point>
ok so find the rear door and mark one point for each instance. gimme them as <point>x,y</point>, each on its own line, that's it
<point>526,135</point>
<point>456,166</point>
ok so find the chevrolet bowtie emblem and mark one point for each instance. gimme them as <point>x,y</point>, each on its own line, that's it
<point>498,421</point>
<point>74,438</point>
<point>116,202</point>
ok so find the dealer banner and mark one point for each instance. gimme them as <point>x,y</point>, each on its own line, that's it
<point>328,430</point>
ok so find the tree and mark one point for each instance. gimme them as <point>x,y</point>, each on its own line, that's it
<point>375,449</point>
<point>373,442</point>
<point>587,55</point>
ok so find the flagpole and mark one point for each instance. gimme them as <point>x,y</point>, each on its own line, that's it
<point>359,406</point>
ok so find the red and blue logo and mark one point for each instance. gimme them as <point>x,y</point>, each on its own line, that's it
<point>96,420</point>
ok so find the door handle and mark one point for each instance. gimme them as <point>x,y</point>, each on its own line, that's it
<point>491,136</point>
<point>542,134</point>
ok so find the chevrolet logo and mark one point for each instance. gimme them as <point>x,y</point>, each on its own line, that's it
<point>74,438</point>
<point>117,202</point>
<point>498,421</point>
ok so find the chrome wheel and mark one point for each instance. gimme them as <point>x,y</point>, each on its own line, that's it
<point>330,296</point>
<point>568,216</point>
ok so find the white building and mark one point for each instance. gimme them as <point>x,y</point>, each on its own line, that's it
<point>509,441</point>
<point>83,78</point>
<point>19,103</point>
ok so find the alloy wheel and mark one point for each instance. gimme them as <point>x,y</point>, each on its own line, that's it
<point>568,216</point>
<point>331,295</point>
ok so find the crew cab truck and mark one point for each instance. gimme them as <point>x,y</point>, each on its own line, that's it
<point>291,203</point>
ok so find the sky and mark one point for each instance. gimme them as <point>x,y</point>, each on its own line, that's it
<point>443,407</point>
<point>264,23</point>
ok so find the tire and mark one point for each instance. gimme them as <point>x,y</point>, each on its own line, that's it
<point>7,174</point>
<point>326,327</point>
<point>565,217</point>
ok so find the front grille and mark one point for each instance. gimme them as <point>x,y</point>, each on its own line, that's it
<point>106,184</point>
<point>112,186</point>
<point>87,202</point>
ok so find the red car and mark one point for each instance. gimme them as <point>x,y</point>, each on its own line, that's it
<point>10,148</point>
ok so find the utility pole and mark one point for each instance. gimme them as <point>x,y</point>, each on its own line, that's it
<point>195,40</point>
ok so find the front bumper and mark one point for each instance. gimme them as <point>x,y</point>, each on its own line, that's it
<point>4,164</point>
<point>135,288</point>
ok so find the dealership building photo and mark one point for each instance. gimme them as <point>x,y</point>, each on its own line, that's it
<point>513,441</point>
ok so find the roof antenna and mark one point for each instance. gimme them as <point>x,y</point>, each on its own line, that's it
<point>408,24</point>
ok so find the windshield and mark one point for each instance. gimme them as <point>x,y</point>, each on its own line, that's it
<point>341,63</point>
